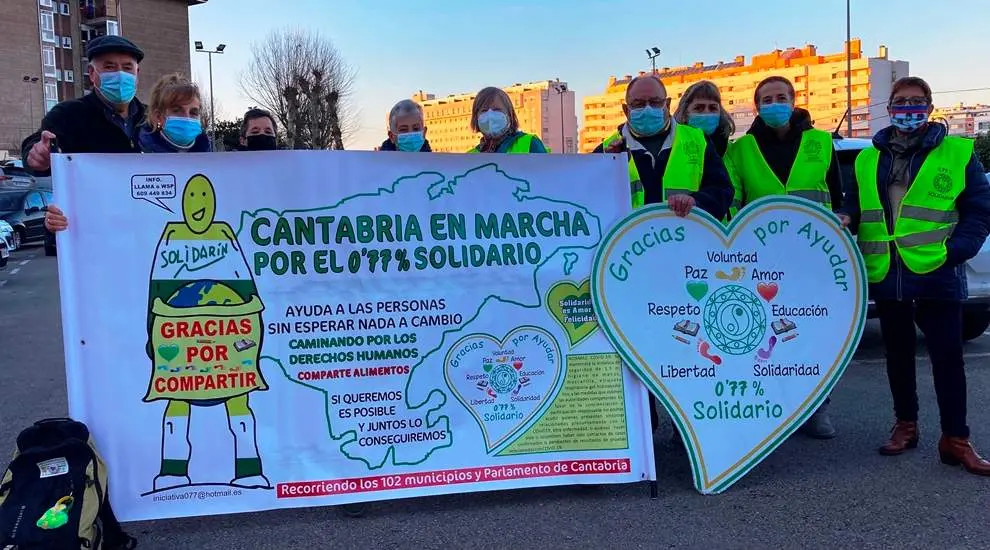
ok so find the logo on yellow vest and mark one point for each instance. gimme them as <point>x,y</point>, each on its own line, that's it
<point>693,153</point>
<point>943,181</point>
<point>813,151</point>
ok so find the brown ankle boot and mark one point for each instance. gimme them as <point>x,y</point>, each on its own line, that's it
<point>958,450</point>
<point>904,436</point>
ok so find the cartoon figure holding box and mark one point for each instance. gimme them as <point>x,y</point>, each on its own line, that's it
<point>204,336</point>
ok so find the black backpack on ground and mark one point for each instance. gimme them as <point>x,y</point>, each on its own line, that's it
<point>56,463</point>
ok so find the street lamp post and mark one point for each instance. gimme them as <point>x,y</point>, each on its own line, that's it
<point>213,113</point>
<point>653,55</point>
<point>561,89</point>
<point>849,112</point>
<point>29,80</point>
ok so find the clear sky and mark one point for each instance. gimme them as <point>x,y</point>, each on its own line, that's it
<point>446,47</point>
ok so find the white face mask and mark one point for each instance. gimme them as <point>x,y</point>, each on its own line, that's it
<point>492,123</point>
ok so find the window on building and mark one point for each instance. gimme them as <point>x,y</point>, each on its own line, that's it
<point>70,76</point>
<point>67,42</point>
<point>51,91</point>
<point>64,8</point>
<point>113,28</point>
<point>46,3</point>
<point>47,26</point>
<point>48,60</point>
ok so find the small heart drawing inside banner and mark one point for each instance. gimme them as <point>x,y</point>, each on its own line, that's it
<point>570,305</point>
<point>767,290</point>
<point>168,351</point>
<point>697,289</point>
<point>506,384</point>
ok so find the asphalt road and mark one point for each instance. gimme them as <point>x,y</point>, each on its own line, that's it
<point>808,494</point>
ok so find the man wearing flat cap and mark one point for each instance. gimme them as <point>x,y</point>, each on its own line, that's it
<point>105,121</point>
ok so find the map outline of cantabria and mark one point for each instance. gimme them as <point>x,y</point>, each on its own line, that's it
<point>441,187</point>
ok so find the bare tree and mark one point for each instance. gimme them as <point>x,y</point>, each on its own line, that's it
<point>302,79</point>
<point>206,114</point>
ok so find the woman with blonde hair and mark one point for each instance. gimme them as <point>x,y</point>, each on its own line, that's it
<point>701,107</point>
<point>174,123</point>
<point>495,118</point>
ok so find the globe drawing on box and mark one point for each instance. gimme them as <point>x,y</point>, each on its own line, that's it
<point>205,293</point>
<point>734,320</point>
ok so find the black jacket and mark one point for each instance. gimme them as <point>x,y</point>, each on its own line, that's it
<point>713,196</point>
<point>720,141</point>
<point>781,153</point>
<point>83,125</point>
<point>973,204</point>
<point>387,145</point>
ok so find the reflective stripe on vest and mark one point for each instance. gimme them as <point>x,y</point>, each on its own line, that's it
<point>927,213</point>
<point>685,165</point>
<point>520,146</point>
<point>755,179</point>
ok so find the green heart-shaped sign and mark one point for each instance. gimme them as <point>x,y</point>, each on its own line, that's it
<point>736,373</point>
<point>168,351</point>
<point>570,305</point>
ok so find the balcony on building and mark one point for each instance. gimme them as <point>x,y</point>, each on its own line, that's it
<point>98,11</point>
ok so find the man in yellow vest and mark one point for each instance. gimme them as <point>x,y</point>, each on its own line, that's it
<point>783,154</point>
<point>668,162</point>
<point>922,204</point>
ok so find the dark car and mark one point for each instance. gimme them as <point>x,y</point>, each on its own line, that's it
<point>24,210</point>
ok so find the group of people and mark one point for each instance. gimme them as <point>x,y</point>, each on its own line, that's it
<point>919,201</point>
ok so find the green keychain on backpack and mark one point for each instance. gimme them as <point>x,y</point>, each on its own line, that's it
<point>56,516</point>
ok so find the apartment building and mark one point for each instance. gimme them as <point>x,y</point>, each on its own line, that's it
<point>964,120</point>
<point>45,51</point>
<point>544,108</point>
<point>819,82</point>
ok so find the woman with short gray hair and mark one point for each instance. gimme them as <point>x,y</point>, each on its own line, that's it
<point>406,129</point>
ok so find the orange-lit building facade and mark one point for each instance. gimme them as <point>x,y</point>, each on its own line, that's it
<point>544,108</point>
<point>819,82</point>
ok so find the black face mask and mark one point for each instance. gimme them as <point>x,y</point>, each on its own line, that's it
<point>261,142</point>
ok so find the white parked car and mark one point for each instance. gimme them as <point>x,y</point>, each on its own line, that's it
<point>7,242</point>
<point>976,309</point>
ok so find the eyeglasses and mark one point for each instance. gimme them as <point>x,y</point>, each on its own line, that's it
<point>658,102</point>
<point>909,101</point>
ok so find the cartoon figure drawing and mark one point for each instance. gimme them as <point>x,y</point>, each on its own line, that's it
<point>204,337</point>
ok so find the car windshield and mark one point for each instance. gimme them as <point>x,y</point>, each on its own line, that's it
<point>9,202</point>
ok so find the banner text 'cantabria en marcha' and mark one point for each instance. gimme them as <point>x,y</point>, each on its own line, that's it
<point>404,242</point>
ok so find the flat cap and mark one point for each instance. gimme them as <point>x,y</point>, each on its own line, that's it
<point>113,44</point>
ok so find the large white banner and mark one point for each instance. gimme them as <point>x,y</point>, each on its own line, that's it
<point>249,331</point>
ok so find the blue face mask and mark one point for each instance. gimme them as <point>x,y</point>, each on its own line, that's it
<point>908,118</point>
<point>411,142</point>
<point>492,123</point>
<point>647,121</point>
<point>182,131</point>
<point>776,115</point>
<point>706,122</point>
<point>118,86</point>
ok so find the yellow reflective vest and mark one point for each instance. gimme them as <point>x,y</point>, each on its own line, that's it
<point>684,167</point>
<point>926,216</point>
<point>519,146</point>
<point>753,178</point>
